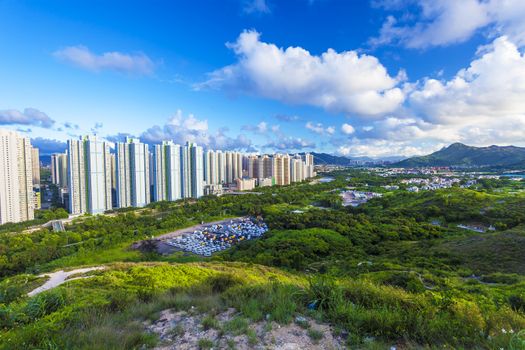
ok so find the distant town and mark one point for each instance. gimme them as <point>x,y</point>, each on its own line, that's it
<point>92,177</point>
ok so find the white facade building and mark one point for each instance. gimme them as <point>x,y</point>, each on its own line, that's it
<point>132,174</point>
<point>89,176</point>
<point>16,178</point>
<point>167,172</point>
<point>196,170</point>
<point>59,169</point>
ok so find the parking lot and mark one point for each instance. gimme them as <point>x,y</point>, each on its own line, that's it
<point>211,238</point>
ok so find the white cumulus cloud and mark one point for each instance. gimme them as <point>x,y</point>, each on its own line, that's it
<point>319,129</point>
<point>347,129</point>
<point>490,91</point>
<point>339,82</point>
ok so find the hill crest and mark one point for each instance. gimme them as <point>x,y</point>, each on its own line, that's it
<point>459,154</point>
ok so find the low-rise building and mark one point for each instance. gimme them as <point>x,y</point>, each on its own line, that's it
<point>265,182</point>
<point>245,184</point>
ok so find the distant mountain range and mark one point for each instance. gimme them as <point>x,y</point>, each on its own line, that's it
<point>325,158</point>
<point>458,154</point>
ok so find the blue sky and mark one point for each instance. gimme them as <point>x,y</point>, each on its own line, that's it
<point>357,78</point>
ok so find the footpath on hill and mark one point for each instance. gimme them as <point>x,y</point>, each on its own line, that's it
<point>59,277</point>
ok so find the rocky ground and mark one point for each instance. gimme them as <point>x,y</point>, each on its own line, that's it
<point>228,330</point>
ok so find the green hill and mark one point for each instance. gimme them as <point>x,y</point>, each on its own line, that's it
<point>325,158</point>
<point>458,154</point>
<point>499,252</point>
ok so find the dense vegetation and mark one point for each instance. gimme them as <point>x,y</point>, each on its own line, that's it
<point>395,270</point>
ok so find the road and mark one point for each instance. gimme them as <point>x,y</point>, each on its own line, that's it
<point>59,277</point>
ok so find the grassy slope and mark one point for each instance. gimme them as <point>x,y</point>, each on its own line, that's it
<point>59,318</point>
<point>489,252</point>
<point>108,311</point>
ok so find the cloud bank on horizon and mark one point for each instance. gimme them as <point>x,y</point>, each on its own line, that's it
<point>365,107</point>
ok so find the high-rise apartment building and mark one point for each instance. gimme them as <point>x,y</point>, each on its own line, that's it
<point>207,166</point>
<point>233,166</point>
<point>221,164</point>
<point>179,172</point>
<point>59,169</point>
<point>297,166</point>
<point>267,167</point>
<point>228,167</point>
<point>185,162</point>
<point>214,168</point>
<point>89,176</point>
<point>196,170</point>
<point>309,165</point>
<point>35,167</point>
<point>281,169</point>
<point>238,168</point>
<point>167,172</point>
<point>132,176</point>
<point>16,178</point>
<point>35,164</point>
<point>211,167</point>
<point>251,166</point>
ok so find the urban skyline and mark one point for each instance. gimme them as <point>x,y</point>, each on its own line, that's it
<point>94,176</point>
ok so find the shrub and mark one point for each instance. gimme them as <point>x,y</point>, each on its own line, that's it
<point>221,282</point>
<point>517,302</point>
<point>5,317</point>
<point>45,303</point>
<point>501,278</point>
<point>119,299</point>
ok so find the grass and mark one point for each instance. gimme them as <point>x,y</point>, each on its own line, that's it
<point>489,252</point>
<point>108,310</point>
<point>205,344</point>
<point>315,335</point>
<point>236,326</point>
<point>252,337</point>
<point>210,322</point>
<point>120,253</point>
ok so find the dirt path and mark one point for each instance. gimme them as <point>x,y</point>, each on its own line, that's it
<point>59,277</point>
<point>195,227</point>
